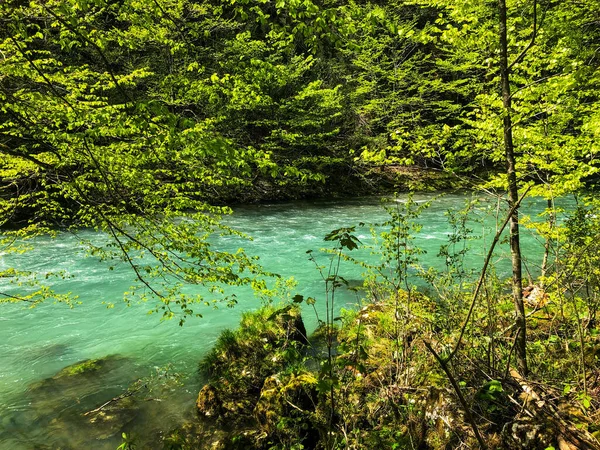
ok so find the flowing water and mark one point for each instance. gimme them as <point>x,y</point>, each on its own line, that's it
<point>39,411</point>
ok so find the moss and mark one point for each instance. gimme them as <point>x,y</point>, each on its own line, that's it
<point>84,367</point>
<point>271,391</point>
<point>78,375</point>
<point>286,410</point>
<point>267,341</point>
<point>67,403</point>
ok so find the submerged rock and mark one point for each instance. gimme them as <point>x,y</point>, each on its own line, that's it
<point>83,383</point>
<point>59,406</point>
<point>46,352</point>
<point>85,367</point>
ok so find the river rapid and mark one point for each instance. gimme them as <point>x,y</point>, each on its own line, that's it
<point>38,411</point>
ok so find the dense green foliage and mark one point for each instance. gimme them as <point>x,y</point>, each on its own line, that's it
<point>143,104</point>
<point>127,116</point>
<point>143,118</point>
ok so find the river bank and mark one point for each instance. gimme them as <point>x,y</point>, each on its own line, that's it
<point>379,383</point>
<point>344,182</point>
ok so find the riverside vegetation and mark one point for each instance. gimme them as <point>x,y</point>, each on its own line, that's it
<point>142,119</point>
<point>431,367</point>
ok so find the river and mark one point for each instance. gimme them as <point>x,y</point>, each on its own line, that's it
<point>37,343</point>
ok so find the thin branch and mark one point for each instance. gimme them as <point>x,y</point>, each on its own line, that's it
<point>484,271</point>
<point>528,85</point>
<point>128,258</point>
<point>444,365</point>
<point>6,150</point>
<point>512,349</point>
<point>531,42</point>
<point>39,71</point>
<point>96,47</point>
<point>113,229</point>
<point>21,299</point>
<point>115,399</point>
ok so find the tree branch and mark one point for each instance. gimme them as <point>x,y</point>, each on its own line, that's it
<point>8,151</point>
<point>13,297</point>
<point>444,365</point>
<point>96,47</point>
<point>483,273</point>
<point>531,42</point>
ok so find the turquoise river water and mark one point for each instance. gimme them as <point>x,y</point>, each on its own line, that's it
<point>38,411</point>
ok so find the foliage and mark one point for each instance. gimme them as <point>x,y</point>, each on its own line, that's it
<point>141,119</point>
<point>129,116</point>
<point>89,140</point>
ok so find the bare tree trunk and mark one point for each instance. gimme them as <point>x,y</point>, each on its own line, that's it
<point>513,197</point>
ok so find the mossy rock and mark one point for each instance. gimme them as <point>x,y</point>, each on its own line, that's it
<point>59,403</point>
<point>208,403</point>
<point>285,411</point>
<point>197,436</point>
<point>526,433</point>
<point>281,391</point>
<point>203,435</point>
<point>85,367</point>
<point>268,341</point>
<point>82,378</point>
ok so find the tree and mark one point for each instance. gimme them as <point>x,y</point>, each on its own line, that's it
<point>137,118</point>
<point>535,107</point>
<point>87,143</point>
<point>513,192</point>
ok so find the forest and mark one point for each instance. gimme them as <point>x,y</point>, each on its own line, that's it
<point>150,121</point>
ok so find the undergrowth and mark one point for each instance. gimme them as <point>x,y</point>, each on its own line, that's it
<point>426,364</point>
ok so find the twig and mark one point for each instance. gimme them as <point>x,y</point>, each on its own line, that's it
<point>512,348</point>
<point>13,297</point>
<point>531,42</point>
<point>483,273</point>
<point>115,399</point>
<point>99,50</point>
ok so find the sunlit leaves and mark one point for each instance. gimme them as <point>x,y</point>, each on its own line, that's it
<point>344,237</point>
<point>90,140</point>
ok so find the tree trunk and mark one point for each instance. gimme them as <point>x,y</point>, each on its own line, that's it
<point>513,196</point>
<point>547,244</point>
